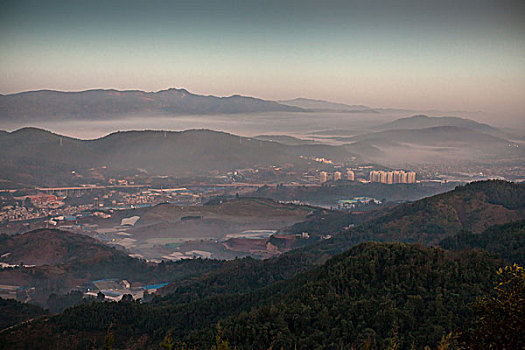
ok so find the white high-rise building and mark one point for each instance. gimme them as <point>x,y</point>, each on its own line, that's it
<point>393,177</point>
<point>411,177</point>
<point>397,176</point>
<point>383,175</point>
<point>390,177</point>
<point>374,176</point>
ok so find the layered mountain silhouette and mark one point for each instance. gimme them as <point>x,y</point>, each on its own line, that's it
<point>158,152</point>
<point>423,139</point>
<point>321,105</point>
<point>424,121</point>
<point>101,104</point>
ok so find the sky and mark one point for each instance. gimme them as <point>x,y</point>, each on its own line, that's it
<point>448,55</point>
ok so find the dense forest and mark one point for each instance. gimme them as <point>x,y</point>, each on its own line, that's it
<point>507,241</point>
<point>14,312</point>
<point>374,291</point>
<point>339,293</point>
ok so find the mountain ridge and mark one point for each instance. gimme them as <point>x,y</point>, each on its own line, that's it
<point>316,104</point>
<point>421,121</point>
<point>103,103</point>
<point>159,152</point>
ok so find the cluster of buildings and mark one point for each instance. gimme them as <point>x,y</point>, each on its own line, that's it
<point>43,205</point>
<point>335,176</point>
<point>356,202</point>
<point>114,289</point>
<point>18,212</point>
<point>393,177</point>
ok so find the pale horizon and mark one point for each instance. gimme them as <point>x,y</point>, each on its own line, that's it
<point>463,55</point>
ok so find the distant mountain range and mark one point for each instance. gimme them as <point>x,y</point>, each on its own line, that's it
<point>321,105</point>
<point>420,139</point>
<point>327,106</point>
<point>107,104</point>
<point>285,140</point>
<point>423,121</point>
<point>31,153</point>
<point>444,136</point>
<point>101,104</point>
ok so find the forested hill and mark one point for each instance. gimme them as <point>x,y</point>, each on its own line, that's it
<point>375,290</point>
<point>411,286</point>
<point>474,207</point>
<point>53,247</point>
<point>64,260</point>
<point>507,241</point>
<point>14,312</point>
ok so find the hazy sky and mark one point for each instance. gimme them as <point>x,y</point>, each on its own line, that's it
<point>467,55</point>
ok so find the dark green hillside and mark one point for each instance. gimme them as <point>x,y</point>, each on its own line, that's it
<point>374,290</point>
<point>507,241</point>
<point>472,207</point>
<point>234,277</point>
<point>14,312</point>
<point>412,222</point>
<point>371,291</point>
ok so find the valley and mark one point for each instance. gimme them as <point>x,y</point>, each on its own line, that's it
<point>262,175</point>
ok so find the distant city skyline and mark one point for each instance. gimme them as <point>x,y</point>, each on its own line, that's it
<point>446,55</point>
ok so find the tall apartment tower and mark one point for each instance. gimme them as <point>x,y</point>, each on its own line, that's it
<point>323,176</point>
<point>389,177</point>
<point>383,175</point>
<point>350,175</point>
<point>337,176</point>
<point>397,177</point>
<point>373,176</point>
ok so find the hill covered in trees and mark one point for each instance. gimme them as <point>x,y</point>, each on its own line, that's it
<point>64,260</point>
<point>475,207</point>
<point>14,312</point>
<point>469,207</point>
<point>375,291</point>
<point>507,241</point>
<point>338,291</point>
<point>51,247</point>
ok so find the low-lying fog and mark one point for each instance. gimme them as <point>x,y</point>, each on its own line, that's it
<point>295,124</point>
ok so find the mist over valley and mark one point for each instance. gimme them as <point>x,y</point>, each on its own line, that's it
<point>256,175</point>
